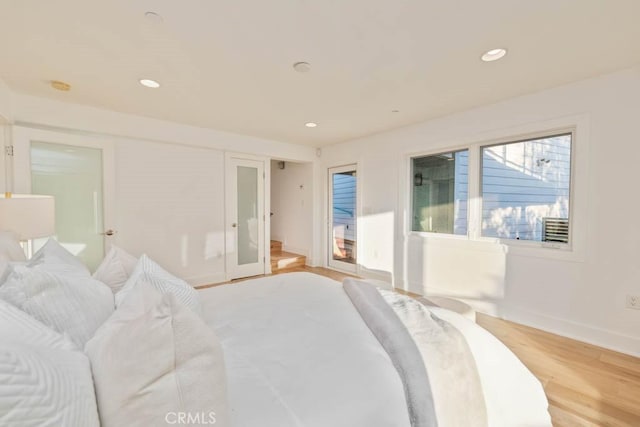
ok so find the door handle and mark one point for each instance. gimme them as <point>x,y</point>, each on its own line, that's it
<point>109,233</point>
<point>234,225</point>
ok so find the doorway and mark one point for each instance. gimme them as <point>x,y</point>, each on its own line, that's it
<point>343,207</point>
<point>291,215</point>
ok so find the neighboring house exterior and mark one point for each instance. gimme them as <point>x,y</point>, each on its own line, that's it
<point>523,183</point>
<point>344,206</point>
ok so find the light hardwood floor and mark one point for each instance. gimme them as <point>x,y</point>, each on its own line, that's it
<point>587,386</point>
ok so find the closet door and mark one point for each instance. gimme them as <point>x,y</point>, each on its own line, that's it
<point>78,172</point>
<point>245,243</point>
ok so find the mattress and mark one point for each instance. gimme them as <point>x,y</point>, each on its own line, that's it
<point>297,353</point>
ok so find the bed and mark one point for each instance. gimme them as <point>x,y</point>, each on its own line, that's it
<point>298,353</point>
<point>134,345</point>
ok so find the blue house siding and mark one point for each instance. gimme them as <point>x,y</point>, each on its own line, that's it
<point>461,193</point>
<point>522,183</point>
<point>344,206</point>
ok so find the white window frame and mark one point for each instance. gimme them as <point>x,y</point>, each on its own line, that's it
<point>575,250</point>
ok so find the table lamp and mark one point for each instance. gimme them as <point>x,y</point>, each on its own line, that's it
<point>29,216</point>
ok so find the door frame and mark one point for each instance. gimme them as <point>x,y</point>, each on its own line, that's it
<point>331,263</point>
<point>21,141</point>
<point>231,269</point>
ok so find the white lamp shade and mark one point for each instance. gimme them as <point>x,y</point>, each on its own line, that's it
<point>29,216</point>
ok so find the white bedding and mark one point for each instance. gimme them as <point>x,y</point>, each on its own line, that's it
<point>298,354</point>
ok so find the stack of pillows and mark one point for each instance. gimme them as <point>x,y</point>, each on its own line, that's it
<point>125,346</point>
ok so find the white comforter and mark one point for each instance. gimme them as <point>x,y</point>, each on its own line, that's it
<point>298,354</point>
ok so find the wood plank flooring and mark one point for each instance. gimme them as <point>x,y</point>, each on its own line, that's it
<point>587,386</point>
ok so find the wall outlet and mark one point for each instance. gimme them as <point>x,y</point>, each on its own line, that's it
<point>633,301</point>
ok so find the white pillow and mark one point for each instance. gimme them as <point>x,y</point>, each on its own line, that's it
<point>44,380</point>
<point>161,280</point>
<point>75,306</point>
<point>10,248</point>
<point>154,359</point>
<point>115,268</point>
<point>54,258</point>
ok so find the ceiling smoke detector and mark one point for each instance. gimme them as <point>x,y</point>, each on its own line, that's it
<point>302,67</point>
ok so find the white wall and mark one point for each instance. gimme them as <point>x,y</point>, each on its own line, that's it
<point>6,102</point>
<point>31,110</point>
<point>169,179</point>
<point>170,205</point>
<point>581,294</point>
<point>6,114</point>
<point>292,207</point>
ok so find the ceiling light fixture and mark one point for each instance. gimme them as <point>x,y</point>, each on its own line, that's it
<point>150,83</point>
<point>395,111</point>
<point>493,54</point>
<point>311,124</point>
<point>302,67</point>
<point>61,86</point>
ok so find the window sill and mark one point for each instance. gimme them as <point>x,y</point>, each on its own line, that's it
<point>519,248</point>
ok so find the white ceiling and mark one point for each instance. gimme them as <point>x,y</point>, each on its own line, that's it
<point>227,64</point>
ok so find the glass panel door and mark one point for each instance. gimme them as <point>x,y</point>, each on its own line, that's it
<point>74,176</point>
<point>343,218</point>
<point>244,195</point>
<point>247,215</point>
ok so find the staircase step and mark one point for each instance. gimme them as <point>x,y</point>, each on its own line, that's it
<point>286,260</point>
<point>276,246</point>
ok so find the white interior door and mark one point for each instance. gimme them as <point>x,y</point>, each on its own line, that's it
<point>78,172</point>
<point>343,217</point>
<point>245,216</point>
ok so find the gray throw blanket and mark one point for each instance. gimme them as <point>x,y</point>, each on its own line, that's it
<point>439,374</point>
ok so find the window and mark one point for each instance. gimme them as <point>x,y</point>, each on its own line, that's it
<point>526,189</point>
<point>440,192</point>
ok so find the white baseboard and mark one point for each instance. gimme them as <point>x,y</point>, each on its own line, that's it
<point>570,329</point>
<point>206,280</point>
<point>375,274</point>
<point>555,325</point>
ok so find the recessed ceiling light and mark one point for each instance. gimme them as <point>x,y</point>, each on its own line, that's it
<point>150,83</point>
<point>395,111</point>
<point>62,86</point>
<point>493,55</point>
<point>311,124</point>
<point>302,67</point>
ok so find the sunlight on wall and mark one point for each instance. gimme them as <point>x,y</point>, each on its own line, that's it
<point>214,245</point>
<point>435,267</point>
<point>375,252</point>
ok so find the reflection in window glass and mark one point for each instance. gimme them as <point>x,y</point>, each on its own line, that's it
<point>440,193</point>
<point>525,189</point>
